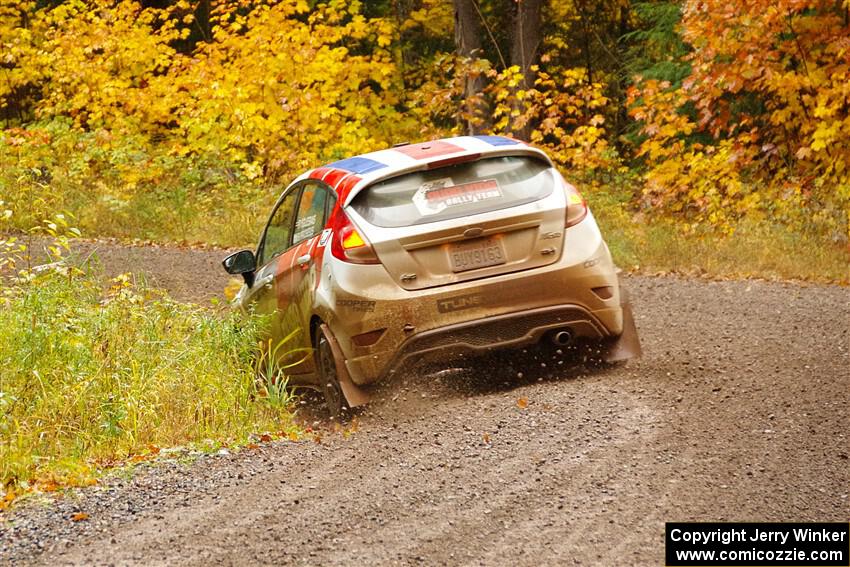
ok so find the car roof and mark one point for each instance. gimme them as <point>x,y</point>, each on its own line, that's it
<point>348,176</point>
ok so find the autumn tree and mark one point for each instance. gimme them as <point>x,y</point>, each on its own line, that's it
<point>20,62</point>
<point>761,124</point>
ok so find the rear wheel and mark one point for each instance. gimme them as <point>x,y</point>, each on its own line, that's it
<point>329,377</point>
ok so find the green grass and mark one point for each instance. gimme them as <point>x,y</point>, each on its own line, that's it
<point>225,220</point>
<point>92,375</point>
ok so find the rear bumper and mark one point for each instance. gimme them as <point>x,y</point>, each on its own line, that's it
<point>502,331</point>
<point>508,310</point>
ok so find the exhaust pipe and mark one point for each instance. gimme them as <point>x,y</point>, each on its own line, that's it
<point>563,337</point>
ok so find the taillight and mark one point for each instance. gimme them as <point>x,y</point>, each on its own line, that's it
<point>348,244</point>
<point>576,206</point>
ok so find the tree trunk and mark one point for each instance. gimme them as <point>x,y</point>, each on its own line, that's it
<point>402,10</point>
<point>586,27</point>
<point>202,16</point>
<point>468,43</point>
<point>525,49</point>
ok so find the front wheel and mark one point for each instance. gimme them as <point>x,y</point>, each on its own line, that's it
<point>329,377</point>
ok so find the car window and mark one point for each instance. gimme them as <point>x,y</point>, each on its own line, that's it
<point>455,191</point>
<point>277,237</point>
<point>310,219</point>
<point>331,205</point>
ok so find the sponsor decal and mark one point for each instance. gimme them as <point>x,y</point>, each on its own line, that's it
<point>436,196</point>
<point>460,302</point>
<point>359,305</point>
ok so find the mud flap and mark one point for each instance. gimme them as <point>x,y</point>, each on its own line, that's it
<point>354,395</point>
<point>627,345</point>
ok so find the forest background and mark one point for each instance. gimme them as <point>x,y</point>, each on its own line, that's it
<point>709,136</point>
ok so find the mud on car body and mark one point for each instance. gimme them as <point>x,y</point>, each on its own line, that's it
<point>438,249</point>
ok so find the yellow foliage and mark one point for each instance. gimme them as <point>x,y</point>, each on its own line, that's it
<point>125,127</point>
<point>287,94</point>
<point>114,111</point>
<point>271,90</point>
<point>762,124</point>
<point>566,111</point>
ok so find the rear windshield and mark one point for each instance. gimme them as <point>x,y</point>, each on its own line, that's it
<point>450,192</point>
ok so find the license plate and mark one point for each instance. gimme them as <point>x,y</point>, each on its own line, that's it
<point>476,254</point>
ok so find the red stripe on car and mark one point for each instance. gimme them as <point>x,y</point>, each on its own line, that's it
<point>319,172</point>
<point>345,185</point>
<point>334,176</point>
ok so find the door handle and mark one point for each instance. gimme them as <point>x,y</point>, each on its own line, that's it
<point>303,260</point>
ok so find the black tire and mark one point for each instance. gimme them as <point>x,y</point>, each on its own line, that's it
<point>329,378</point>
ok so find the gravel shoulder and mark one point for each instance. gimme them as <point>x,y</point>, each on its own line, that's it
<point>738,411</point>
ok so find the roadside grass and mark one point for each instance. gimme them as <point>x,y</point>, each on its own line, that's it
<point>768,250</point>
<point>189,202</point>
<point>151,219</point>
<point>93,377</point>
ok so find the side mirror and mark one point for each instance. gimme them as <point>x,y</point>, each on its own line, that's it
<point>241,263</point>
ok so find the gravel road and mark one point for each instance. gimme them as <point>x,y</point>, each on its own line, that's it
<point>738,411</point>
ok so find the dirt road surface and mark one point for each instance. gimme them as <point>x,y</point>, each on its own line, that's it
<point>738,411</point>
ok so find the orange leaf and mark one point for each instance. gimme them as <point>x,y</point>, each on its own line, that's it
<point>522,403</point>
<point>7,499</point>
<point>265,437</point>
<point>293,436</point>
<point>252,446</point>
<point>486,438</point>
<point>79,517</point>
<point>49,485</point>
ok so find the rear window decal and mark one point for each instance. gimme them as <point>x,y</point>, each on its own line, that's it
<point>436,196</point>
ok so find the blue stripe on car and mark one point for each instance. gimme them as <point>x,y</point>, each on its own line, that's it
<point>358,165</point>
<point>497,140</point>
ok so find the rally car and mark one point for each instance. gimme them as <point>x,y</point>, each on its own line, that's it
<point>428,252</point>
